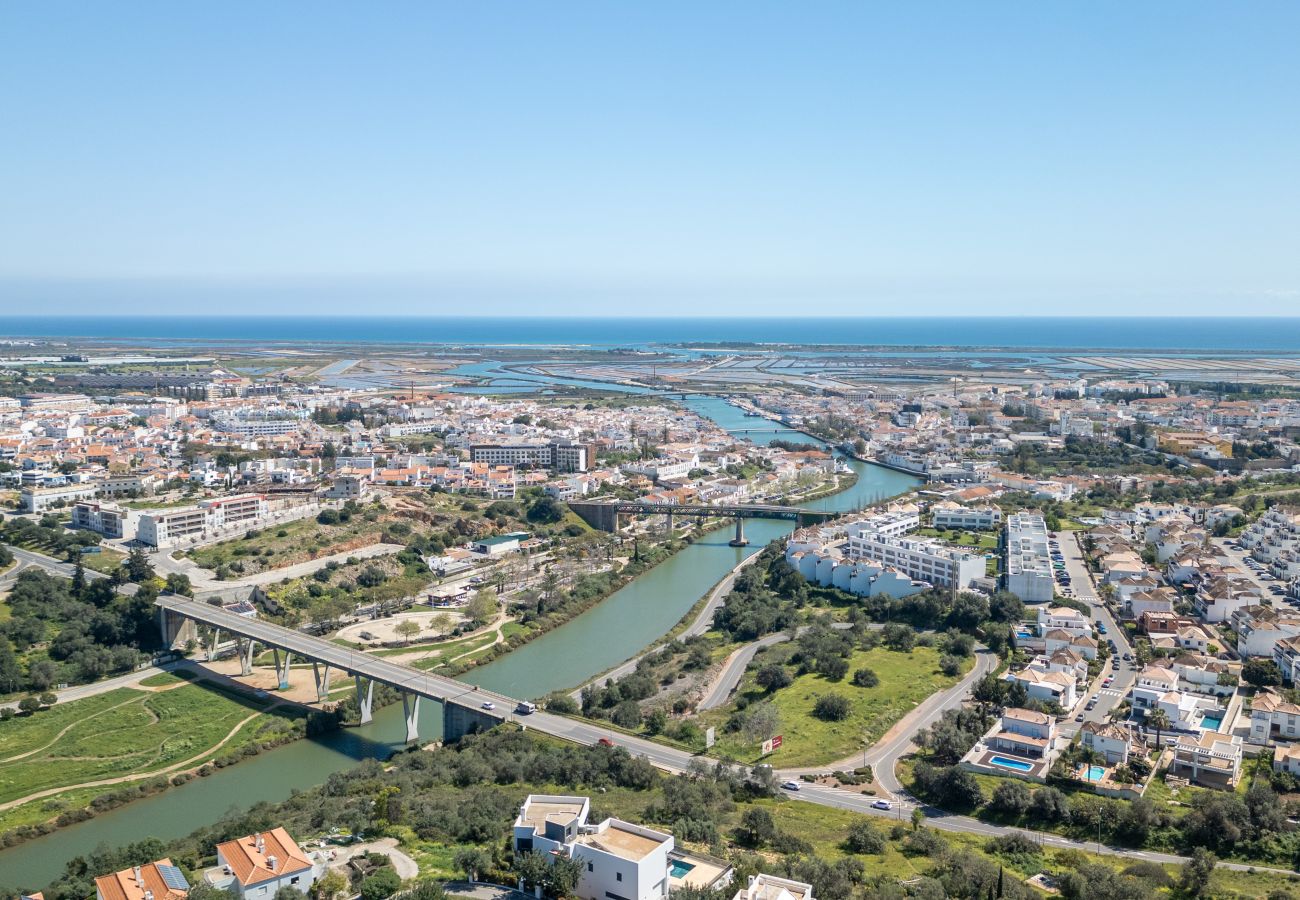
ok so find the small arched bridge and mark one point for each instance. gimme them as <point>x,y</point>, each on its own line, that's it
<point>603,514</point>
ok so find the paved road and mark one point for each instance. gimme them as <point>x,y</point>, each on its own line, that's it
<point>734,668</point>
<point>883,756</point>
<point>26,559</point>
<point>1081,580</point>
<point>81,691</point>
<point>667,758</point>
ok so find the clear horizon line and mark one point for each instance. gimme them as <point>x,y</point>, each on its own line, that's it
<point>582,317</point>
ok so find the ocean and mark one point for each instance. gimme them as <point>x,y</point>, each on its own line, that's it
<point>1166,335</point>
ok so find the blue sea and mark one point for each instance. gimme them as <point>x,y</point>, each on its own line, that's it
<point>1168,335</point>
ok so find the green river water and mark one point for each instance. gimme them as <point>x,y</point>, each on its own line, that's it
<point>624,624</point>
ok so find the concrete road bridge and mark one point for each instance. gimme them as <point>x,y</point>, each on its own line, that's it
<point>465,707</point>
<point>603,514</point>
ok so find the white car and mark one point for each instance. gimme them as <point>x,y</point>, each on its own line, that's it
<point>881,804</point>
<point>488,704</point>
<point>791,785</point>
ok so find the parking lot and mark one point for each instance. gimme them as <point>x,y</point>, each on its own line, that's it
<point>1273,588</point>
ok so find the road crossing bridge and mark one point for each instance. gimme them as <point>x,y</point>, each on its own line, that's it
<point>603,514</point>
<point>465,707</point>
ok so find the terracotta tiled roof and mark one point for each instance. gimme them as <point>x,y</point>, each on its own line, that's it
<point>131,884</point>
<point>249,857</point>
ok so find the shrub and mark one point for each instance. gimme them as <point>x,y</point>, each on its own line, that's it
<point>831,708</point>
<point>865,678</point>
<point>865,838</point>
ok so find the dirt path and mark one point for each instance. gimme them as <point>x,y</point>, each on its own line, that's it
<point>123,779</point>
<point>65,730</point>
<point>418,653</point>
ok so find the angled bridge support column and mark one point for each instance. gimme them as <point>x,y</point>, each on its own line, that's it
<point>365,699</point>
<point>321,673</point>
<point>411,709</point>
<point>282,667</point>
<point>246,647</point>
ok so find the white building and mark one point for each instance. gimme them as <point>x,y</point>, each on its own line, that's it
<point>617,860</point>
<point>953,515</point>
<point>770,887</point>
<point>42,499</point>
<point>164,527</point>
<point>920,559</point>
<point>108,519</point>
<point>1029,563</point>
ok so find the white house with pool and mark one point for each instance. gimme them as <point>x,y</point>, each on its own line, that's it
<point>1021,744</point>
<point>617,860</point>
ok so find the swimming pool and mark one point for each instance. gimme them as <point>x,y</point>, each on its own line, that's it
<point>679,869</point>
<point>1094,773</point>
<point>1211,722</point>
<point>1017,764</point>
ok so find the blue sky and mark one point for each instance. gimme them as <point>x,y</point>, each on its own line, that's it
<point>656,158</point>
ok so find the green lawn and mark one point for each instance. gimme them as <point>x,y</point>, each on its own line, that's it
<point>906,679</point>
<point>105,561</point>
<point>982,540</point>
<point>120,733</point>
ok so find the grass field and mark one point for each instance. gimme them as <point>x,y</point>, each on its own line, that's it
<point>105,561</point>
<point>906,679</point>
<point>122,733</point>
<point>285,544</point>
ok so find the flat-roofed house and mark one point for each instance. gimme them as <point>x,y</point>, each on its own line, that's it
<point>158,880</point>
<point>1208,759</point>
<point>770,887</point>
<point>617,860</point>
<point>621,861</point>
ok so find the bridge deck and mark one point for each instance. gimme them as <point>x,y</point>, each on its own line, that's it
<point>405,678</point>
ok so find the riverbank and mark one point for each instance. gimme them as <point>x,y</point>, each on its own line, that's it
<point>605,635</point>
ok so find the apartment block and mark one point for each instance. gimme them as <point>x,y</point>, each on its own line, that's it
<point>1029,563</point>
<point>978,518</point>
<point>108,519</point>
<point>920,559</point>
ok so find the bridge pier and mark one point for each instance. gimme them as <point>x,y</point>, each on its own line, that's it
<point>366,699</point>
<point>282,667</point>
<point>739,540</point>
<point>246,647</point>
<point>670,522</point>
<point>411,709</point>
<point>176,630</point>
<point>458,720</point>
<point>321,672</point>
<point>213,644</point>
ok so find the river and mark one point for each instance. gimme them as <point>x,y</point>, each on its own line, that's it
<point>627,622</point>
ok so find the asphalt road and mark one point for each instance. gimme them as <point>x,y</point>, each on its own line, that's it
<point>1084,589</point>
<point>667,758</point>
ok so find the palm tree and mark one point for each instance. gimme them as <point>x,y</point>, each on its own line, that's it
<point>1158,720</point>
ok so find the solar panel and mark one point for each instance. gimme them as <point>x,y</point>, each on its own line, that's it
<point>173,878</point>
